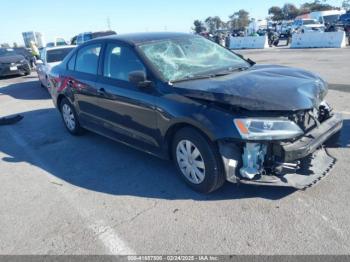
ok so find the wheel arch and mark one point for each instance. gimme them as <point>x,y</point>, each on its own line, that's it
<point>59,100</point>
<point>176,127</point>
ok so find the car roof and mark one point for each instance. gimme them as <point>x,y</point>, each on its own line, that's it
<point>60,47</point>
<point>139,38</point>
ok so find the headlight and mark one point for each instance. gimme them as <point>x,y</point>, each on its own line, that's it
<point>267,129</point>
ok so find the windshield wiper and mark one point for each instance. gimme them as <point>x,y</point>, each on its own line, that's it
<point>195,77</point>
<point>227,71</point>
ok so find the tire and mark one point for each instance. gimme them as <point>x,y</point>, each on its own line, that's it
<point>70,118</point>
<point>27,72</point>
<point>204,173</point>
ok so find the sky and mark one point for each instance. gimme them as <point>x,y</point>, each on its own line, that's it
<point>67,18</point>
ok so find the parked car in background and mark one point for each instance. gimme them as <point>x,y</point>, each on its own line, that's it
<point>327,18</point>
<point>11,63</point>
<point>83,37</point>
<point>307,25</point>
<point>218,116</point>
<point>58,42</point>
<point>28,55</point>
<point>49,57</point>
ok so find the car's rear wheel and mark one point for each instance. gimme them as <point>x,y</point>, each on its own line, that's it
<point>198,160</point>
<point>70,117</point>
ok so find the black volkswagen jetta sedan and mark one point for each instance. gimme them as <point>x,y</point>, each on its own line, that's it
<point>218,116</point>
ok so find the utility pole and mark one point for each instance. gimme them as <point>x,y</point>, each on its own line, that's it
<point>109,24</point>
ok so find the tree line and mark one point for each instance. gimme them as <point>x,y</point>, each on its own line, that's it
<point>240,20</point>
<point>237,21</point>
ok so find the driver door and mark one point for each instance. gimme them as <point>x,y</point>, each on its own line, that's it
<point>126,109</point>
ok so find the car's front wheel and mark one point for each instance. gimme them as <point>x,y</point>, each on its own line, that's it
<point>70,118</point>
<point>198,161</point>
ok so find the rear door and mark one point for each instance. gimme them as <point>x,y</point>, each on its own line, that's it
<point>82,68</point>
<point>127,110</point>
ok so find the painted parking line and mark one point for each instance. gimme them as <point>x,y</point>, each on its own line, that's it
<point>110,239</point>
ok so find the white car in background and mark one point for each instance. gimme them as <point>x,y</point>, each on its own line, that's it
<point>307,25</point>
<point>50,57</point>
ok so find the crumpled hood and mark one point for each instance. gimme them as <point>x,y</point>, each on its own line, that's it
<point>11,59</point>
<point>262,87</point>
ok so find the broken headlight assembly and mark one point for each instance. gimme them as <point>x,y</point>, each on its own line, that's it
<point>267,129</point>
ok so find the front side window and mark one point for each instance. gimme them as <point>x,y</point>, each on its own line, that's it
<point>87,59</point>
<point>188,57</point>
<point>120,61</point>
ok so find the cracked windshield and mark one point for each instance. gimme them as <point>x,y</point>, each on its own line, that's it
<point>186,58</point>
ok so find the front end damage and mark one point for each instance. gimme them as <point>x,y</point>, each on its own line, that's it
<point>297,163</point>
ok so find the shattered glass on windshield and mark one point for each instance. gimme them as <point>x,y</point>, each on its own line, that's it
<point>184,58</point>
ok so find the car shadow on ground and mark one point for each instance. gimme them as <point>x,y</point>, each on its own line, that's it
<point>29,90</point>
<point>10,77</point>
<point>98,164</point>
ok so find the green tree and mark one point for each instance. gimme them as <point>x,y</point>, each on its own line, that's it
<point>276,13</point>
<point>214,23</point>
<point>199,27</point>
<point>290,11</point>
<point>315,6</point>
<point>239,20</point>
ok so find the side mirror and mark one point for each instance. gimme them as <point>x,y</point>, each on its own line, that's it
<point>139,78</point>
<point>39,62</point>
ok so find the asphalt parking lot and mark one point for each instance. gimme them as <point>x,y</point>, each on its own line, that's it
<point>88,195</point>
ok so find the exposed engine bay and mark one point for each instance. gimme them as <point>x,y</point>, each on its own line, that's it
<point>297,163</point>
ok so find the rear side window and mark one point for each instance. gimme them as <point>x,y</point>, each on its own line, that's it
<point>87,59</point>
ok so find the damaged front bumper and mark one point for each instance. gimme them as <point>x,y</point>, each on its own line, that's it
<point>309,142</point>
<point>298,164</point>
